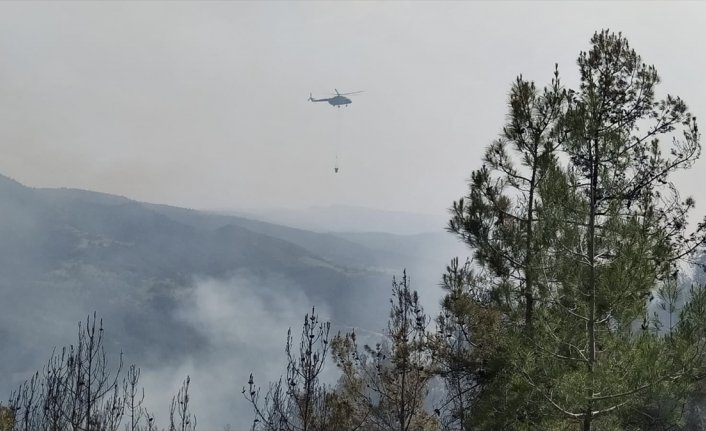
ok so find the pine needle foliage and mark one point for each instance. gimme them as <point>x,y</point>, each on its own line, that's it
<point>386,384</point>
<point>576,229</point>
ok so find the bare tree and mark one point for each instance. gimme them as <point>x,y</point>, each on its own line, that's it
<point>78,391</point>
<point>180,417</point>
<point>25,402</point>
<point>300,402</point>
<point>88,377</point>
<point>54,418</point>
<point>134,399</point>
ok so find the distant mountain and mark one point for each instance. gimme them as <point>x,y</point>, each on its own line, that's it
<point>160,275</point>
<point>343,218</point>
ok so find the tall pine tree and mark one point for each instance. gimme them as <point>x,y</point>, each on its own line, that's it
<point>576,241</point>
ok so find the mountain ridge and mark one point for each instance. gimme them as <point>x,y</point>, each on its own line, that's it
<point>159,275</point>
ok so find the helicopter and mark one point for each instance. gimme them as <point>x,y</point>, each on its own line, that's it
<point>337,100</point>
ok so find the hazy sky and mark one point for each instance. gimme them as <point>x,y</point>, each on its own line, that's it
<point>204,105</point>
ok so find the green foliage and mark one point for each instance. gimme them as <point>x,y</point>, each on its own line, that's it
<point>386,385</point>
<point>575,227</point>
<point>7,418</point>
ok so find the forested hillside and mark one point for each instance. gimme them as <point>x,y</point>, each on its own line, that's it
<point>68,252</point>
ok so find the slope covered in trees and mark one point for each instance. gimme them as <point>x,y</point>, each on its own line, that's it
<point>65,253</point>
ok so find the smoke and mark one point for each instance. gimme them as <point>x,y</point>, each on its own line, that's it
<point>65,255</point>
<point>245,320</point>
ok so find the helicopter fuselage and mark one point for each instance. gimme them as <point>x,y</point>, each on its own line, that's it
<point>338,100</point>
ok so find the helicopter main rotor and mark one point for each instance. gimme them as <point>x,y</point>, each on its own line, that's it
<point>345,94</point>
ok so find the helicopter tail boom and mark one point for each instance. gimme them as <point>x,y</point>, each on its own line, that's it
<point>311,99</point>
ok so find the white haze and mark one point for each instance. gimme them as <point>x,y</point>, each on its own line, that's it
<point>203,105</point>
<point>245,320</point>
